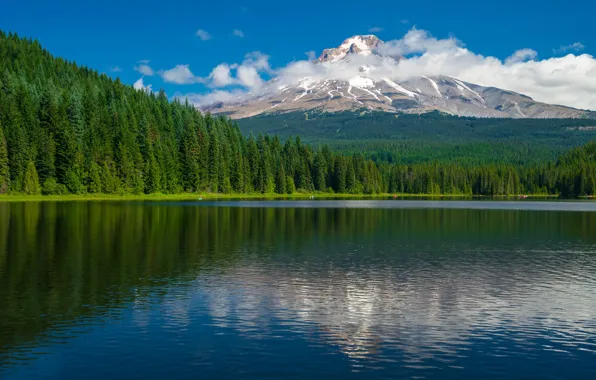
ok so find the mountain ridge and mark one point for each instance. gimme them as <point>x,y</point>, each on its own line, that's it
<point>364,89</point>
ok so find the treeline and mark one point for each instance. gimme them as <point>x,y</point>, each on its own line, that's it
<point>577,179</point>
<point>433,136</point>
<point>68,129</point>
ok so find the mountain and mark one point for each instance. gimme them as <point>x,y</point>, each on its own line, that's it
<point>413,95</point>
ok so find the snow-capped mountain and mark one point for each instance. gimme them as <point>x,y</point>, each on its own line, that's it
<point>363,45</point>
<point>412,95</point>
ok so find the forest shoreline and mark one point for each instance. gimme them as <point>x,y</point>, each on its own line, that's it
<point>214,196</point>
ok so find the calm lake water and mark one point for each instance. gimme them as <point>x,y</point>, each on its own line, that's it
<point>319,289</point>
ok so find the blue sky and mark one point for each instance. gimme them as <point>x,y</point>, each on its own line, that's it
<point>109,34</point>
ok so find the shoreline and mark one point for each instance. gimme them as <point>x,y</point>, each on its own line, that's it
<point>211,196</point>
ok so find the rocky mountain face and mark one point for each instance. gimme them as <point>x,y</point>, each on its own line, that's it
<point>363,45</point>
<point>413,95</point>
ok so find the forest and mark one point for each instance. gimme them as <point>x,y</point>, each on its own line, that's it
<point>433,136</point>
<point>67,129</point>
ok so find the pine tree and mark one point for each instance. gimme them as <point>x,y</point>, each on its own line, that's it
<point>46,156</point>
<point>4,168</point>
<point>152,175</point>
<point>280,180</point>
<point>214,164</point>
<point>66,149</point>
<point>290,187</point>
<point>75,175</point>
<point>75,115</point>
<point>340,175</point>
<point>190,158</point>
<point>31,180</point>
<point>16,140</point>
<point>95,185</point>
<point>109,180</point>
<point>351,186</point>
<point>320,168</point>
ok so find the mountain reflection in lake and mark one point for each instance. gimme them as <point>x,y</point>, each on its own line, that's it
<point>154,290</point>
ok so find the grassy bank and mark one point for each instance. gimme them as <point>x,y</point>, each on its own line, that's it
<point>209,196</point>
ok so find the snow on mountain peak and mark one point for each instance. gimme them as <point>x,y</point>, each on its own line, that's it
<point>360,44</point>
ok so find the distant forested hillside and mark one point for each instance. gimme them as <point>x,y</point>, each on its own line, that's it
<point>410,138</point>
<point>65,128</point>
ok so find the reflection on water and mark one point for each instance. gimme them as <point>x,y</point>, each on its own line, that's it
<point>125,290</point>
<point>483,204</point>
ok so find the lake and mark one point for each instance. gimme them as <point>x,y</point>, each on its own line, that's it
<point>295,289</point>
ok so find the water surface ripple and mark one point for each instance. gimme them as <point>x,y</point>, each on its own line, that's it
<point>95,290</point>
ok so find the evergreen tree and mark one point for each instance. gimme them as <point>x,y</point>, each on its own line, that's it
<point>280,180</point>
<point>340,175</point>
<point>95,185</point>
<point>214,163</point>
<point>4,168</point>
<point>320,168</point>
<point>190,158</point>
<point>16,140</point>
<point>31,180</point>
<point>290,187</point>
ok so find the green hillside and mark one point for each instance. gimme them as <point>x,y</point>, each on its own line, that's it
<point>407,138</point>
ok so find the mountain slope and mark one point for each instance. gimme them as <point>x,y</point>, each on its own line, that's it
<point>433,136</point>
<point>413,95</point>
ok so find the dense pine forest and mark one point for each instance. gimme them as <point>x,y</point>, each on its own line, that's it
<point>66,129</point>
<point>433,136</point>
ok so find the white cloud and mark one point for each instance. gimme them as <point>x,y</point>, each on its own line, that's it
<point>180,74</point>
<point>418,41</point>
<point>312,55</point>
<point>258,60</point>
<point>203,35</point>
<point>375,29</point>
<point>568,80</point>
<point>247,74</point>
<point>214,97</point>
<point>221,76</point>
<point>238,33</point>
<point>116,69</point>
<point>244,80</point>
<point>144,68</point>
<point>140,85</point>
<point>521,56</point>
<point>576,47</point>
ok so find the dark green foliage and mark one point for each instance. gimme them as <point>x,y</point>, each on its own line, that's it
<point>51,187</point>
<point>31,180</point>
<point>280,181</point>
<point>410,139</point>
<point>290,188</point>
<point>4,169</point>
<point>94,184</point>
